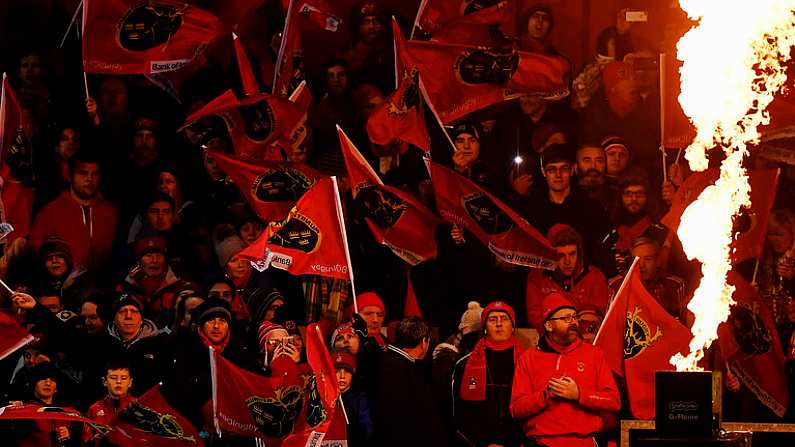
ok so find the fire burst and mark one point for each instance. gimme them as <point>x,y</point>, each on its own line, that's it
<point>733,66</point>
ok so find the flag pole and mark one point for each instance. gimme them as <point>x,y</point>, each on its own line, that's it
<point>420,10</point>
<point>662,115</point>
<point>341,220</point>
<point>85,84</point>
<point>71,24</point>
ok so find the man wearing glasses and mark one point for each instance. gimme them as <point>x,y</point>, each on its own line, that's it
<point>561,387</point>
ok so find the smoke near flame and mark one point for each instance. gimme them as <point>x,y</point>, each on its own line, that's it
<point>733,66</point>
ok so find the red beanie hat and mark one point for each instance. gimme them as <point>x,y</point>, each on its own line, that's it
<point>553,303</point>
<point>344,359</point>
<point>370,299</point>
<point>497,306</point>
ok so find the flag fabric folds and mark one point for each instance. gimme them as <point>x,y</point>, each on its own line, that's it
<point>504,232</point>
<point>750,344</point>
<point>400,116</point>
<point>461,79</point>
<point>134,37</point>
<point>12,335</point>
<point>454,21</point>
<point>308,241</point>
<point>270,187</point>
<point>638,338</point>
<point>247,78</point>
<point>396,219</point>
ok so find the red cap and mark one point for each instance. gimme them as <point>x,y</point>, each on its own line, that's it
<point>553,303</point>
<point>344,359</point>
<point>370,299</point>
<point>497,306</point>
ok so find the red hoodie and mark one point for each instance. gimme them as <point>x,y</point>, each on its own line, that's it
<point>557,422</point>
<point>589,287</point>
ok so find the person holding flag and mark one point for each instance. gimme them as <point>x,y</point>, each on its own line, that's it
<point>561,386</point>
<point>117,380</point>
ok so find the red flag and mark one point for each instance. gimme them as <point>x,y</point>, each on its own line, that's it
<point>461,79</point>
<point>131,36</point>
<point>396,219</point>
<point>463,22</point>
<point>253,405</point>
<point>498,227</point>
<point>400,116</point>
<point>16,174</point>
<point>319,13</point>
<point>271,188</point>
<point>750,240</point>
<point>326,387</point>
<point>638,337</point>
<point>52,413</point>
<point>309,241</point>
<point>751,346</point>
<point>247,78</point>
<point>302,97</point>
<point>12,335</point>
<point>150,421</point>
<point>412,306</point>
<point>255,123</point>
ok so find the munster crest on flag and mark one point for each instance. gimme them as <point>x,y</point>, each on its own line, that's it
<point>270,187</point>
<point>143,36</point>
<point>504,232</point>
<point>638,338</point>
<point>255,123</point>
<point>308,241</point>
<point>460,79</point>
<point>396,219</point>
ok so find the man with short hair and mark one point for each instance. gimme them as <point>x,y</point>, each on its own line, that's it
<point>582,282</point>
<point>560,203</point>
<point>405,411</point>
<point>92,322</point>
<point>669,290</point>
<point>561,386</point>
<point>80,217</point>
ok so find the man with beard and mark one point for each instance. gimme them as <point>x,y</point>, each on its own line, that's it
<point>590,170</point>
<point>561,387</point>
<point>80,217</point>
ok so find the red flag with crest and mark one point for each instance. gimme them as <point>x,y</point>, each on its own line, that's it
<point>133,36</point>
<point>638,338</point>
<point>150,421</point>
<point>255,123</point>
<point>504,232</point>
<point>750,240</point>
<point>16,171</point>
<point>750,344</point>
<point>461,79</point>
<point>396,219</point>
<point>270,187</point>
<point>400,116</point>
<point>12,335</point>
<point>309,241</point>
<point>454,21</point>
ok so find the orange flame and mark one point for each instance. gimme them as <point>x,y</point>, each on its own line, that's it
<point>733,66</point>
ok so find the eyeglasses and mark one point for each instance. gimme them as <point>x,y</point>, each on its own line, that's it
<point>567,318</point>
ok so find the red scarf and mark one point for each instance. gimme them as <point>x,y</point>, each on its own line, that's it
<point>206,341</point>
<point>473,383</point>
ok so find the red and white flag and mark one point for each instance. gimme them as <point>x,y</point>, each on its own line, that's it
<point>16,168</point>
<point>454,21</point>
<point>504,232</point>
<point>141,37</point>
<point>400,117</point>
<point>12,335</point>
<point>309,241</point>
<point>270,187</point>
<point>396,219</point>
<point>638,337</point>
<point>460,79</point>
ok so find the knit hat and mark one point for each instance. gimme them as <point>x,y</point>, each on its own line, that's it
<point>370,299</point>
<point>212,308</point>
<point>554,302</point>
<point>144,123</point>
<point>612,142</point>
<point>260,300</point>
<point>265,329</point>
<point>470,320</point>
<point>125,300</point>
<point>44,370</point>
<point>227,248</point>
<point>538,7</point>
<point>345,328</point>
<point>56,246</point>
<point>345,360</point>
<point>497,306</point>
<point>562,234</point>
<point>150,243</point>
<point>464,127</point>
<point>367,8</point>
